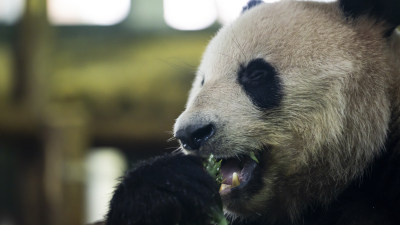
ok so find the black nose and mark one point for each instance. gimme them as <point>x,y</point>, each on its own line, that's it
<point>192,137</point>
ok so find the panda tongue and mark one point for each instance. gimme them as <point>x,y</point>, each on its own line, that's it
<point>228,168</point>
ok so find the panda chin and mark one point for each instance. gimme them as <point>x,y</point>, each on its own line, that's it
<point>241,177</point>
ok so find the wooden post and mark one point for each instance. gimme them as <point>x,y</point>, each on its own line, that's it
<point>66,138</point>
<point>63,127</point>
<point>32,46</point>
<point>32,57</point>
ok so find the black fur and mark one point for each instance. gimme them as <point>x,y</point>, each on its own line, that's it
<point>383,10</point>
<point>168,190</point>
<point>261,83</point>
<point>251,4</point>
<point>374,199</point>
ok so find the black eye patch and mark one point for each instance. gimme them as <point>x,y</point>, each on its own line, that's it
<point>261,83</point>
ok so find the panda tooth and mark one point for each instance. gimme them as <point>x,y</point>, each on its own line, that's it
<point>235,180</point>
<point>224,186</point>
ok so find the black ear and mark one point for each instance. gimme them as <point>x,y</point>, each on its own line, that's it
<point>383,10</point>
<point>251,4</point>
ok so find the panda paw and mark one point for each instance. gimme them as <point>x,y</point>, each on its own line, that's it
<point>170,189</point>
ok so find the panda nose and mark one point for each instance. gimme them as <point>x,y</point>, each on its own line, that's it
<point>192,137</point>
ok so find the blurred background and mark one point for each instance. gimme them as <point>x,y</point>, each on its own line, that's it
<point>88,88</point>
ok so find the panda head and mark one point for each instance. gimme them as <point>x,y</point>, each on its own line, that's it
<point>303,86</point>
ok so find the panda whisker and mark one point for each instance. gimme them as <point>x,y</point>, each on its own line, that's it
<point>171,139</point>
<point>177,150</point>
<point>240,47</point>
<point>238,156</point>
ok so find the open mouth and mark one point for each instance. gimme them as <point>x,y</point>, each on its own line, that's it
<point>240,173</point>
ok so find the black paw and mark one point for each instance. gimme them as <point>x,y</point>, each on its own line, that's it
<point>167,190</point>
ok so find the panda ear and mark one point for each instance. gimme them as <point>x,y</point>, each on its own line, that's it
<point>387,11</point>
<point>251,4</point>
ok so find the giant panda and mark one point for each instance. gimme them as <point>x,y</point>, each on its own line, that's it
<point>301,103</point>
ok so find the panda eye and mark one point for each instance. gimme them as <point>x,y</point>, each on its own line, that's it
<point>256,75</point>
<point>261,83</point>
<point>256,71</point>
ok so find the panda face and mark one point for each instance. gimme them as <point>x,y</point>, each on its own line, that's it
<point>287,82</point>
